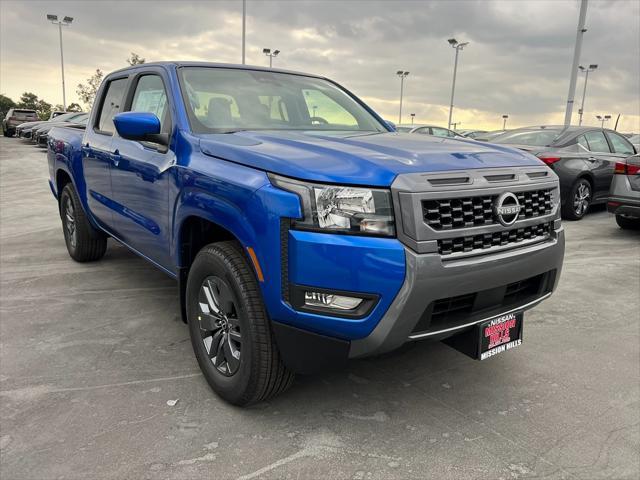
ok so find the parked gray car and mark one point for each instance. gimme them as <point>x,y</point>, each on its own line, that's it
<point>428,130</point>
<point>624,197</point>
<point>584,159</point>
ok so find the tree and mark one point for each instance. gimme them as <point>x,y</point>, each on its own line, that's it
<point>74,107</point>
<point>5,104</point>
<point>28,100</point>
<point>135,59</point>
<point>87,92</point>
<point>43,109</point>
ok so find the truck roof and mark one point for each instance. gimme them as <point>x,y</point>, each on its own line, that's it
<point>237,66</point>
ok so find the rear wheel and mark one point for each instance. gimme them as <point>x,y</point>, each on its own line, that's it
<point>578,201</point>
<point>6,132</point>
<point>84,243</point>
<point>230,332</point>
<point>628,223</point>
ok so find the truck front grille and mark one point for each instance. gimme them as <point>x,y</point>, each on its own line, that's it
<point>464,212</point>
<point>496,239</point>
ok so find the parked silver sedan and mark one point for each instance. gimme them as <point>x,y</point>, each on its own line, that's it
<point>428,130</point>
<point>624,196</point>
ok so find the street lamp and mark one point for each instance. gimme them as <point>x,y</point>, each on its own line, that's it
<point>402,74</point>
<point>65,22</point>
<point>270,54</point>
<point>413,115</point>
<point>586,71</point>
<point>504,121</point>
<point>603,119</point>
<point>458,46</point>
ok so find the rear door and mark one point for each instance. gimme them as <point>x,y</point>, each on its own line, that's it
<point>140,176</point>
<point>601,162</point>
<point>96,152</point>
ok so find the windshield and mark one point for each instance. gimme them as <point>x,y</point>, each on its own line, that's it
<point>635,139</point>
<point>403,129</point>
<point>221,100</point>
<point>534,138</point>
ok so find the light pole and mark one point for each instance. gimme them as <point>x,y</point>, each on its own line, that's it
<point>586,71</point>
<point>244,27</point>
<point>576,60</point>
<point>413,115</point>
<point>504,121</point>
<point>402,74</point>
<point>458,46</point>
<point>270,54</point>
<point>65,22</point>
<point>315,109</point>
<point>603,119</point>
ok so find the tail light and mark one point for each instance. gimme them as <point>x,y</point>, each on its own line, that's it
<point>625,168</point>
<point>548,159</point>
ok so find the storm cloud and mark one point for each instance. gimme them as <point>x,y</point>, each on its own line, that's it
<point>517,63</point>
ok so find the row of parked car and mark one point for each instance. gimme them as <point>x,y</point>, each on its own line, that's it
<point>24,123</point>
<point>595,165</point>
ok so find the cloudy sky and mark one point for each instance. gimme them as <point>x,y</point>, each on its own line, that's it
<point>517,63</point>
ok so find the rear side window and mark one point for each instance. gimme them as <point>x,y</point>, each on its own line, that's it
<point>111,105</point>
<point>440,132</point>
<point>150,96</point>
<point>620,144</point>
<point>583,142</point>
<point>597,142</point>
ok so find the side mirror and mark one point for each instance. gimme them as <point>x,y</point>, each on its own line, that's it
<point>141,126</point>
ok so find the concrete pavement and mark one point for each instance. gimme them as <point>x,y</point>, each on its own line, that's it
<point>91,353</point>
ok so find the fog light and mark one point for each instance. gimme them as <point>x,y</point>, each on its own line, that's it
<point>327,300</point>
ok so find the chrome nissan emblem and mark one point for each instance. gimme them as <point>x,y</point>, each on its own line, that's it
<point>507,208</point>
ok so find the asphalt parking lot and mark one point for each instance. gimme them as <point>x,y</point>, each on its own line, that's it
<point>91,353</point>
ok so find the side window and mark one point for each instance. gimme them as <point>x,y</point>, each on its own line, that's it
<point>326,111</point>
<point>423,131</point>
<point>150,96</point>
<point>440,132</point>
<point>111,105</point>
<point>597,142</point>
<point>620,144</point>
<point>582,142</point>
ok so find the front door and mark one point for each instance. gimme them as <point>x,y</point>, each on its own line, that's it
<point>140,177</point>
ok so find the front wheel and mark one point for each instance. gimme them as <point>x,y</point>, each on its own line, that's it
<point>230,332</point>
<point>579,200</point>
<point>628,223</point>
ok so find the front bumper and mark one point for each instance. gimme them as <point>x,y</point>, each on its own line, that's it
<point>430,280</point>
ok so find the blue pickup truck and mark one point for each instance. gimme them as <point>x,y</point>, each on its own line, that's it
<point>301,228</point>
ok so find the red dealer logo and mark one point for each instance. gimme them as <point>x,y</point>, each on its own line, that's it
<point>499,333</point>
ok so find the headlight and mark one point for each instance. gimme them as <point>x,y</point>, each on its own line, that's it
<point>341,209</point>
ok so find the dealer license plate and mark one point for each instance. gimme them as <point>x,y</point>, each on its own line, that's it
<point>499,334</point>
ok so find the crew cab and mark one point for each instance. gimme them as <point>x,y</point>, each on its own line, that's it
<point>301,229</point>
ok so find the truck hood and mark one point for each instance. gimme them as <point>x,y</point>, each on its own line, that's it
<point>358,159</point>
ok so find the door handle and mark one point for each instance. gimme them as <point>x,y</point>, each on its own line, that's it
<point>592,159</point>
<point>115,158</point>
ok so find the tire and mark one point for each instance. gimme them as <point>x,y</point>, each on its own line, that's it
<point>6,133</point>
<point>578,201</point>
<point>84,243</point>
<point>230,332</point>
<point>628,223</point>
